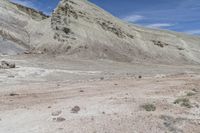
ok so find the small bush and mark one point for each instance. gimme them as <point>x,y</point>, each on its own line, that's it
<point>184,102</point>
<point>190,93</point>
<point>149,107</point>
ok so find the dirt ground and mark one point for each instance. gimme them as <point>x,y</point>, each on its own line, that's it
<point>58,95</point>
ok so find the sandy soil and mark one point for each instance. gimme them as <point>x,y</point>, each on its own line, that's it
<point>41,95</point>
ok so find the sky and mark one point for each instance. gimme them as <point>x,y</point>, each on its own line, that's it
<point>177,15</point>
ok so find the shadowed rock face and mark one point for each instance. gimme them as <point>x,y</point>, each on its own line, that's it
<point>80,29</point>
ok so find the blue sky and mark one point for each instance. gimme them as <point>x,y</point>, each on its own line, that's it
<point>177,15</point>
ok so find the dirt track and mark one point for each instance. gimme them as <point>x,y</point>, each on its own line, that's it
<point>109,101</point>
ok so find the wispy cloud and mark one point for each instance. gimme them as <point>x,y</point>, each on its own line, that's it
<point>133,18</point>
<point>159,25</point>
<point>193,32</point>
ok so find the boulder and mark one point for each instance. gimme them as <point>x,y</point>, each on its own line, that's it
<point>7,65</point>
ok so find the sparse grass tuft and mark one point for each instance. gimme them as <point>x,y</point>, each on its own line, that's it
<point>149,107</point>
<point>190,93</point>
<point>184,102</point>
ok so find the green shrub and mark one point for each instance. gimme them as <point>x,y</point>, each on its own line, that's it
<point>184,102</point>
<point>149,107</point>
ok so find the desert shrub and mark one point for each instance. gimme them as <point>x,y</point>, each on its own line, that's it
<point>184,102</point>
<point>190,93</point>
<point>149,107</point>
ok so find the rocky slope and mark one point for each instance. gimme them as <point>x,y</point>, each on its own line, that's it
<point>15,24</point>
<point>80,29</point>
<point>38,15</point>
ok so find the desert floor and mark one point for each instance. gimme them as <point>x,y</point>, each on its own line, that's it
<point>58,95</point>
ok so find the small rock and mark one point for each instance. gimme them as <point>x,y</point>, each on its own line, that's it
<point>59,119</point>
<point>102,78</point>
<point>11,76</point>
<point>58,85</point>
<point>81,90</point>
<point>27,52</point>
<point>13,94</point>
<point>75,109</point>
<point>7,65</point>
<point>57,113</point>
<point>139,76</point>
<point>60,128</point>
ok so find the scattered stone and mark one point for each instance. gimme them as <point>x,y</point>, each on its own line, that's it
<point>59,119</point>
<point>13,94</point>
<point>49,107</point>
<point>139,76</point>
<point>7,65</point>
<point>195,90</point>
<point>81,90</point>
<point>102,78</point>
<point>11,76</point>
<point>172,124</point>
<point>75,109</point>
<point>159,43</point>
<point>57,113</point>
<point>27,52</point>
<point>60,128</point>
<point>58,85</point>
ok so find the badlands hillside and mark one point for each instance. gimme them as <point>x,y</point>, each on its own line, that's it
<point>79,28</point>
<point>82,70</point>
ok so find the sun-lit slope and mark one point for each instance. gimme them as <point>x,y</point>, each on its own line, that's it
<point>15,23</point>
<point>80,29</point>
<point>88,31</point>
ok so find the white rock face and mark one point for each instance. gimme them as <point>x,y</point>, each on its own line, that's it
<point>15,25</point>
<point>81,29</point>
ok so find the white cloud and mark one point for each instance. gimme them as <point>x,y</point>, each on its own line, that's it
<point>193,32</point>
<point>133,18</point>
<point>159,25</point>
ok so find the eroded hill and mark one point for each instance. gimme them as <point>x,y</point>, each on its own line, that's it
<point>80,29</point>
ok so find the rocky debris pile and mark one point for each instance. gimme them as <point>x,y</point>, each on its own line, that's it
<point>114,28</point>
<point>7,65</point>
<point>159,43</point>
